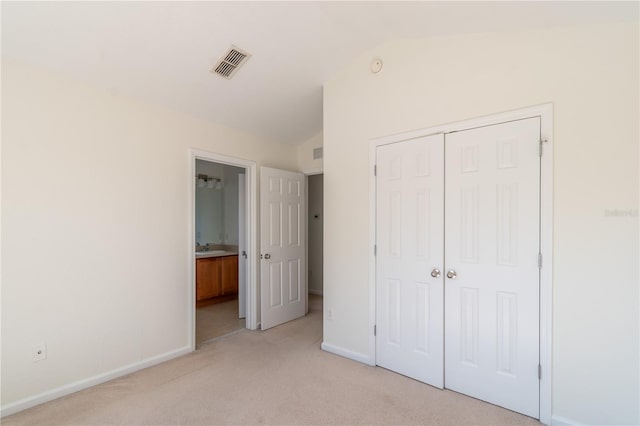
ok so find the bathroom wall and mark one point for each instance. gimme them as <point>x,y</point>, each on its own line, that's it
<point>217,209</point>
<point>230,204</point>
<point>209,206</point>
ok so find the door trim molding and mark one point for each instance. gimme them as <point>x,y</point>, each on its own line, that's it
<point>251,231</point>
<point>545,112</point>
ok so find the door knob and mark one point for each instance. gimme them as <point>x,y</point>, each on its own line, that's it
<point>451,274</point>
<point>267,256</point>
<point>435,273</point>
<point>244,254</point>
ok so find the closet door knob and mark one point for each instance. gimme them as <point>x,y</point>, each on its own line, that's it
<point>267,256</point>
<point>451,274</point>
<point>435,273</point>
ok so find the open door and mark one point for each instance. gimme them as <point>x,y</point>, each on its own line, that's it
<point>283,286</point>
<point>242,246</point>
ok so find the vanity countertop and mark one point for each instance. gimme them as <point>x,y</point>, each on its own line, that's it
<point>215,253</point>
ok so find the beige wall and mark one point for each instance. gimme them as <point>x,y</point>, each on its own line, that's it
<point>306,163</point>
<point>590,74</point>
<point>94,221</point>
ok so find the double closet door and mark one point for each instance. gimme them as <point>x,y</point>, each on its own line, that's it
<point>457,276</point>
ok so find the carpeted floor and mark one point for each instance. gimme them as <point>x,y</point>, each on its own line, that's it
<point>278,376</point>
<point>217,320</point>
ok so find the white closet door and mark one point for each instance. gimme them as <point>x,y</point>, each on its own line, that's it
<point>282,246</point>
<point>492,243</point>
<point>409,233</point>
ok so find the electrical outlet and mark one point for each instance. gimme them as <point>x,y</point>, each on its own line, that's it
<point>39,352</point>
<point>329,314</point>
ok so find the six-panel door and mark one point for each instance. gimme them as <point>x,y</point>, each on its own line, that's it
<point>492,195</point>
<point>282,213</point>
<point>409,197</point>
<point>483,239</point>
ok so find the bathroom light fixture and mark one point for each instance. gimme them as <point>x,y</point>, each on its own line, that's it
<point>209,182</point>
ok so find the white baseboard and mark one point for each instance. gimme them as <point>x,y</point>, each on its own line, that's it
<point>316,292</point>
<point>563,421</point>
<point>56,393</point>
<point>356,356</point>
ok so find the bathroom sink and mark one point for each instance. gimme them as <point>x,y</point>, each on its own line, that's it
<point>211,252</point>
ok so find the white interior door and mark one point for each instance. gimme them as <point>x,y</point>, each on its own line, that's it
<point>242,246</point>
<point>282,246</point>
<point>492,243</point>
<point>409,239</point>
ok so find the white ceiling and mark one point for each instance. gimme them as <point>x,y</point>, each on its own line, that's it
<point>161,51</point>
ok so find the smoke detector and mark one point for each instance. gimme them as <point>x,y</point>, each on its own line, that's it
<point>230,61</point>
<point>376,65</point>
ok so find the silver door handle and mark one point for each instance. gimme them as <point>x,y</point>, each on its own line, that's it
<point>267,256</point>
<point>451,274</point>
<point>435,273</point>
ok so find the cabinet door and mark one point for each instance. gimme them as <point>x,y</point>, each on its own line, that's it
<point>229,274</point>
<point>207,278</point>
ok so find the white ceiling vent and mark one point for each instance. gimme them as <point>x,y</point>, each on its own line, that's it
<point>233,59</point>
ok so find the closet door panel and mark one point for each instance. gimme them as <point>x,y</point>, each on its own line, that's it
<point>492,193</point>
<point>409,237</point>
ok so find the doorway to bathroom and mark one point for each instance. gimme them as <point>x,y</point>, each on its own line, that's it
<point>217,250</point>
<point>222,300</point>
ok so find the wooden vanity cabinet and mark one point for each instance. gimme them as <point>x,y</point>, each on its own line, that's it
<point>216,277</point>
<point>207,278</point>
<point>229,275</point>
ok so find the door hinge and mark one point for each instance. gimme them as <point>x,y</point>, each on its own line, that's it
<point>375,170</point>
<point>539,260</point>
<point>375,249</point>
<point>374,330</point>
<point>539,372</point>
<point>542,142</point>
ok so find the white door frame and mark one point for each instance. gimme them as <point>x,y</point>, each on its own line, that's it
<point>242,249</point>
<point>252,238</point>
<point>545,112</point>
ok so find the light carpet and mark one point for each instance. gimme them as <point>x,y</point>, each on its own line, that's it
<point>217,320</point>
<point>278,376</point>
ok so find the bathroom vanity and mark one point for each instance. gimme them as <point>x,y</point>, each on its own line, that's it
<point>216,276</point>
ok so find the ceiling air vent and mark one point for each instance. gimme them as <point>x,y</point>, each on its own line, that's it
<point>233,59</point>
